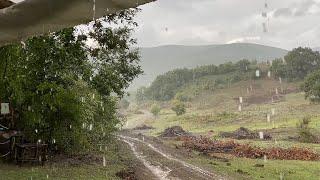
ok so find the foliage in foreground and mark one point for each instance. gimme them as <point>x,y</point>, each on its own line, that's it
<point>64,91</point>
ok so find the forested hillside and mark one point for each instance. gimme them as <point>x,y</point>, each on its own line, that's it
<point>158,60</point>
<point>295,66</point>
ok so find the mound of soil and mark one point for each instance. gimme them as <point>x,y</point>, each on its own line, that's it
<point>243,133</point>
<point>174,131</point>
<point>143,127</point>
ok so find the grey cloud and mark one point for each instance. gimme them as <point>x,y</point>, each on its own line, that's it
<point>297,9</point>
<point>283,12</point>
<point>200,22</point>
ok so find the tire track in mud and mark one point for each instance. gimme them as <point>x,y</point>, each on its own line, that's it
<point>159,171</point>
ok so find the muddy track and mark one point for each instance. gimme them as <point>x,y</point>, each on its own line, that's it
<point>163,165</point>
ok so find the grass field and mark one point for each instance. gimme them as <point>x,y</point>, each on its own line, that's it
<point>117,159</point>
<point>218,111</point>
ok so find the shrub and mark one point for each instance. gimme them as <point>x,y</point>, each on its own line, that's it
<point>304,131</point>
<point>155,109</point>
<point>178,107</point>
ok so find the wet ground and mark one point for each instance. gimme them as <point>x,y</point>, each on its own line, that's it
<point>163,162</point>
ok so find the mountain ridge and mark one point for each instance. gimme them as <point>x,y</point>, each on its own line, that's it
<point>160,59</point>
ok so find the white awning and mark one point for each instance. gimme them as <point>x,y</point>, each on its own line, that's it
<point>33,17</point>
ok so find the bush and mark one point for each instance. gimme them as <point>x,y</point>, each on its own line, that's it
<point>304,131</point>
<point>178,107</point>
<point>155,109</point>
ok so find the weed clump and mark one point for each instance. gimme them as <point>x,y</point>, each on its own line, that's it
<point>304,131</point>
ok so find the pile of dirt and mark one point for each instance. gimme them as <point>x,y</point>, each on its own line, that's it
<point>208,146</point>
<point>126,175</point>
<point>174,131</point>
<point>276,153</point>
<point>143,127</point>
<point>244,133</point>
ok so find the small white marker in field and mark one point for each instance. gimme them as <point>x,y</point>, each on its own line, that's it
<point>268,118</point>
<point>104,161</point>
<point>265,158</point>
<point>261,135</point>
<point>240,100</point>
<point>258,73</point>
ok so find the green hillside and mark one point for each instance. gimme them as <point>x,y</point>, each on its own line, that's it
<point>158,60</point>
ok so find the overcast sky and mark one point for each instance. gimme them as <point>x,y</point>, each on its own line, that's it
<point>290,23</point>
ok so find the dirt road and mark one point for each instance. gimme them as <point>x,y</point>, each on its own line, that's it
<point>163,162</point>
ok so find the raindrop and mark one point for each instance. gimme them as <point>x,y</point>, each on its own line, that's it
<point>90,127</point>
<point>29,108</point>
<point>269,74</point>
<point>36,131</point>
<point>273,111</point>
<point>70,126</point>
<point>93,96</point>
<point>277,92</point>
<point>54,141</point>
<point>47,176</point>
<point>280,80</point>
<point>94,10</point>
<point>23,45</point>
<point>240,108</point>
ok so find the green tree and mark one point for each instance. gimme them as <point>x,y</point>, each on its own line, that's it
<point>155,109</point>
<point>178,107</point>
<point>311,86</point>
<point>301,61</point>
<point>63,91</point>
